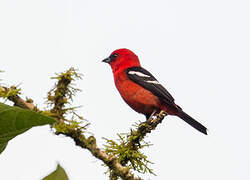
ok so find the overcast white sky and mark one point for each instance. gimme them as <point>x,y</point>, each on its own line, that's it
<point>199,50</point>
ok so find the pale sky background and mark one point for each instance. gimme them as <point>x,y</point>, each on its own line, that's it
<point>199,50</point>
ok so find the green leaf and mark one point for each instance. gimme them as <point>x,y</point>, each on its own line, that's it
<point>58,174</point>
<point>15,121</point>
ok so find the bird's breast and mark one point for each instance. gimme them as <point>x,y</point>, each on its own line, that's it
<point>138,98</point>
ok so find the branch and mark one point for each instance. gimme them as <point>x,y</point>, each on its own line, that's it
<point>146,127</point>
<point>90,144</point>
<point>76,134</point>
<point>12,95</point>
<point>59,97</point>
<point>128,147</point>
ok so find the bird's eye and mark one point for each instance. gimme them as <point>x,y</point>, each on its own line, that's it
<point>115,55</point>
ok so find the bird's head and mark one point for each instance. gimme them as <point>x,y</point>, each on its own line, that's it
<point>122,59</point>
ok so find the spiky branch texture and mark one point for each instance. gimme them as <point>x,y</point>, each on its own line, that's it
<point>119,164</point>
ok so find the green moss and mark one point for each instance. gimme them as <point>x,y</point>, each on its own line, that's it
<point>68,127</point>
<point>61,95</point>
<point>129,153</point>
<point>60,98</point>
<point>9,93</point>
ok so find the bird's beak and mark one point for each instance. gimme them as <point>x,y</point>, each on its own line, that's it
<point>107,60</point>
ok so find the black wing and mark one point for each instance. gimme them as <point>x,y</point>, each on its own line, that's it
<point>144,78</point>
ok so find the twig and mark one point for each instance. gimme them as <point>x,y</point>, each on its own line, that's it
<point>59,96</point>
<point>16,99</point>
<point>146,127</point>
<point>111,161</point>
<point>127,149</point>
<point>80,140</point>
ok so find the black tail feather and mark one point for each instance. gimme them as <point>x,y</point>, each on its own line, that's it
<point>195,124</point>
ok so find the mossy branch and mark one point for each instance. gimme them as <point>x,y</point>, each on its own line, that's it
<point>128,147</point>
<point>77,134</point>
<point>146,127</point>
<point>12,94</point>
<point>120,157</point>
<point>61,95</point>
<point>58,97</point>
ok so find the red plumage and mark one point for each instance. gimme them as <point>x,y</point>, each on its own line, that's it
<point>141,91</point>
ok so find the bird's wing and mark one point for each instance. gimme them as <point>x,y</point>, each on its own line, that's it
<point>145,79</point>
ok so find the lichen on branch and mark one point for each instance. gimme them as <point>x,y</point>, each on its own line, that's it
<point>62,93</point>
<point>121,157</point>
<point>128,147</point>
<point>60,96</point>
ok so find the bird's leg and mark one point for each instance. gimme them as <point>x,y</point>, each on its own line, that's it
<point>159,117</point>
<point>163,113</point>
<point>152,115</point>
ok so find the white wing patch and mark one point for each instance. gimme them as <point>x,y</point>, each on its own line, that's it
<point>153,82</point>
<point>138,74</point>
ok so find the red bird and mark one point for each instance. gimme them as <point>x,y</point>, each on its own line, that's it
<point>141,91</point>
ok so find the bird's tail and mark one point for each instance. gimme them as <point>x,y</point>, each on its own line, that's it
<point>192,122</point>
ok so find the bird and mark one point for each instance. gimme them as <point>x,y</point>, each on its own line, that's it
<point>141,90</point>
